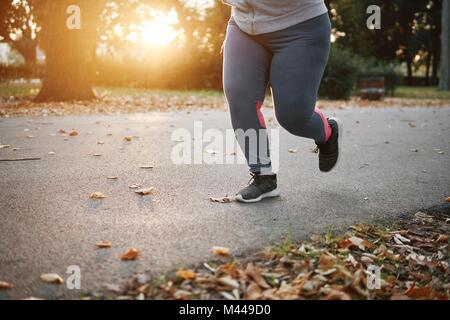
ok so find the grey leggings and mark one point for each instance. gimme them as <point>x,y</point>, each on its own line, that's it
<point>292,61</point>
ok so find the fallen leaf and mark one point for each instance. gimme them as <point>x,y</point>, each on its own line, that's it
<point>253,292</point>
<point>337,295</point>
<point>128,138</point>
<point>134,186</point>
<point>100,142</point>
<point>146,191</point>
<point>4,146</point>
<point>61,131</point>
<point>113,287</point>
<point>130,254</point>
<point>227,295</point>
<point>73,133</point>
<point>255,273</point>
<point>5,285</point>
<point>52,278</point>
<point>442,238</point>
<point>182,294</point>
<point>112,178</point>
<point>104,244</point>
<point>221,251</point>
<point>186,274</point>
<point>287,292</point>
<point>229,282</point>
<point>97,195</point>
<point>412,124</point>
<point>222,199</point>
<point>360,243</point>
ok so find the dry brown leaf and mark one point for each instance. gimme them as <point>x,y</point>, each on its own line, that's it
<point>62,131</point>
<point>128,138</point>
<point>130,254</point>
<point>254,272</point>
<point>222,199</point>
<point>146,191</point>
<point>182,294</point>
<point>5,285</point>
<point>287,292</point>
<point>229,282</point>
<point>52,278</point>
<point>97,195</point>
<point>253,292</point>
<point>360,243</point>
<point>221,251</point>
<point>73,133</point>
<point>186,274</point>
<point>104,244</point>
<point>442,238</point>
<point>337,295</point>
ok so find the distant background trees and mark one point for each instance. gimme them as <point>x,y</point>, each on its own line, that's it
<point>125,43</point>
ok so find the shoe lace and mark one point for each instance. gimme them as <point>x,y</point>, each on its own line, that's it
<point>252,179</point>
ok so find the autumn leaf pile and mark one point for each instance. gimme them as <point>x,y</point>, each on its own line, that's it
<point>413,257</point>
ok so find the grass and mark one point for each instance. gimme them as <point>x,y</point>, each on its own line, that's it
<point>26,89</point>
<point>421,93</point>
<point>19,89</point>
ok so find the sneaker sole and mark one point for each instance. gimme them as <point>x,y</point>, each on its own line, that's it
<point>271,194</point>
<point>340,134</point>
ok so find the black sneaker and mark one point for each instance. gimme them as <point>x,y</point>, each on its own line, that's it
<point>329,151</point>
<point>259,187</point>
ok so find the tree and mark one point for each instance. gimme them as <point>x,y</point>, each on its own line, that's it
<point>18,28</point>
<point>67,50</point>
<point>444,83</point>
<point>405,25</point>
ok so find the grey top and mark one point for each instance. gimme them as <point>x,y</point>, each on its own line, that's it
<point>263,16</point>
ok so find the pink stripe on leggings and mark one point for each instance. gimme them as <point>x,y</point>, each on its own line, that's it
<point>326,126</point>
<point>262,122</point>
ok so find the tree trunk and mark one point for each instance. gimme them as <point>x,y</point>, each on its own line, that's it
<point>409,79</point>
<point>428,67</point>
<point>444,83</point>
<point>67,51</point>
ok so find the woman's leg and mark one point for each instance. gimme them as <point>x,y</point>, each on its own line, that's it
<point>246,74</point>
<point>300,56</point>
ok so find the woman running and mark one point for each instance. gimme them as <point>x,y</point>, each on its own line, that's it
<point>285,44</point>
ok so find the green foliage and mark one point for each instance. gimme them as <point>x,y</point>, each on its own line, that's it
<point>340,75</point>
